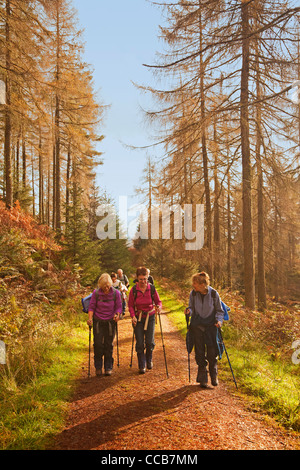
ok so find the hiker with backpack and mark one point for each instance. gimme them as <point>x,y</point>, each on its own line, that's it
<point>123,278</point>
<point>117,284</point>
<point>104,312</point>
<point>206,315</point>
<point>143,303</point>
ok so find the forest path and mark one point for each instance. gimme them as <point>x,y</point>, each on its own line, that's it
<point>128,411</point>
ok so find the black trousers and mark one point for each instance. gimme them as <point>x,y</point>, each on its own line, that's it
<point>206,351</point>
<point>104,333</point>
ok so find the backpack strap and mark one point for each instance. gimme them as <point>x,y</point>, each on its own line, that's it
<point>134,292</point>
<point>152,290</point>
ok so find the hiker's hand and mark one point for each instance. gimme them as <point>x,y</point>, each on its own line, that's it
<point>134,321</point>
<point>218,324</point>
<point>117,317</point>
<point>187,311</point>
<point>90,322</point>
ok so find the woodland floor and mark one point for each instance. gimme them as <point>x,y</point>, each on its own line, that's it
<point>128,411</point>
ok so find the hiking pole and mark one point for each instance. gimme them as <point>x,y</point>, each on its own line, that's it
<point>89,370</point>
<point>133,327</point>
<point>117,333</point>
<point>187,318</point>
<point>162,338</point>
<point>220,333</point>
<point>132,347</point>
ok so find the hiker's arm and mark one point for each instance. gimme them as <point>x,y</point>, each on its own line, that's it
<point>131,304</point>
<point>189,311</point>
<point>157,301</point>
<point>219,311</point>
<point>118,306</point>
<point>90,320</point>
<point>91,309</point>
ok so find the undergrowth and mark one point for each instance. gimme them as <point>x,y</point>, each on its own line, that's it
<point>37,383</point>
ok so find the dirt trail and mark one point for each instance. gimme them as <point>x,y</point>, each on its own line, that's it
<point>128,411</point>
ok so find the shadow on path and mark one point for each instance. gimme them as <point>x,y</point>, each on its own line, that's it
<point>96,432</point>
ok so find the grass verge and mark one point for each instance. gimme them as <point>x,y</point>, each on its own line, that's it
<point>34,411</point>
<point>270,383</point>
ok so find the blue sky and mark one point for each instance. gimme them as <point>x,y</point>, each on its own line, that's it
<point>119,37</point>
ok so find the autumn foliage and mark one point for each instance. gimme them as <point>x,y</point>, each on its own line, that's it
<point>16,218</point>
<point>31,280</point>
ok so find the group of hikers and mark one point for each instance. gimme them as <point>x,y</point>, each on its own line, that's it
<point>107,306</point>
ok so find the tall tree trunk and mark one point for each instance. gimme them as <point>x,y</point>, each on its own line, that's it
<point>48,195</point>
<point>24,158</point>
<point>41,181</point>
<point>217,274</point>
<point>229,234</point>
<point>276,242</point>
<point>54,187</point>
<point>33,190</point>
<point>57,127</point>
<point>17,177</point>
<point>208,214</point>
<point>249,272</point>
<point>149,176</point>
<point>68,183</point>
<point>261,277</point>
<point>7,124</point>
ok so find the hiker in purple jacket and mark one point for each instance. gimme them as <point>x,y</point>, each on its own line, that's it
<point>104,313</point>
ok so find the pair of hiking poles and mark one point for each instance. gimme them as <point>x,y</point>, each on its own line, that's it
<point>162,338</point>
<point>219,339</point>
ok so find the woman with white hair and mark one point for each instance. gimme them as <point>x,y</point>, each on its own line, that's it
<point>104,313</point>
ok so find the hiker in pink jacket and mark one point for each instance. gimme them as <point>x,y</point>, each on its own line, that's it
<point>142,303</point>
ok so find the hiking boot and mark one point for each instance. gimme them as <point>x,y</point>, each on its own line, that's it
<point>98,372</point>
<point>202,376</point>
<point>141,363</point>
<point>108,372</point>
<point>203,385</point>
<point>149,359</point>
<point>214,381</point>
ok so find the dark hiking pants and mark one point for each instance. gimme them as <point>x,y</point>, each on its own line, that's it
<point>104,333</point>
<point>144,341</point>
<point>205,351</point>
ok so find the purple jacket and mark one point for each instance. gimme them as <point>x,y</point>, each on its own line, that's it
<point>106,307</point>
